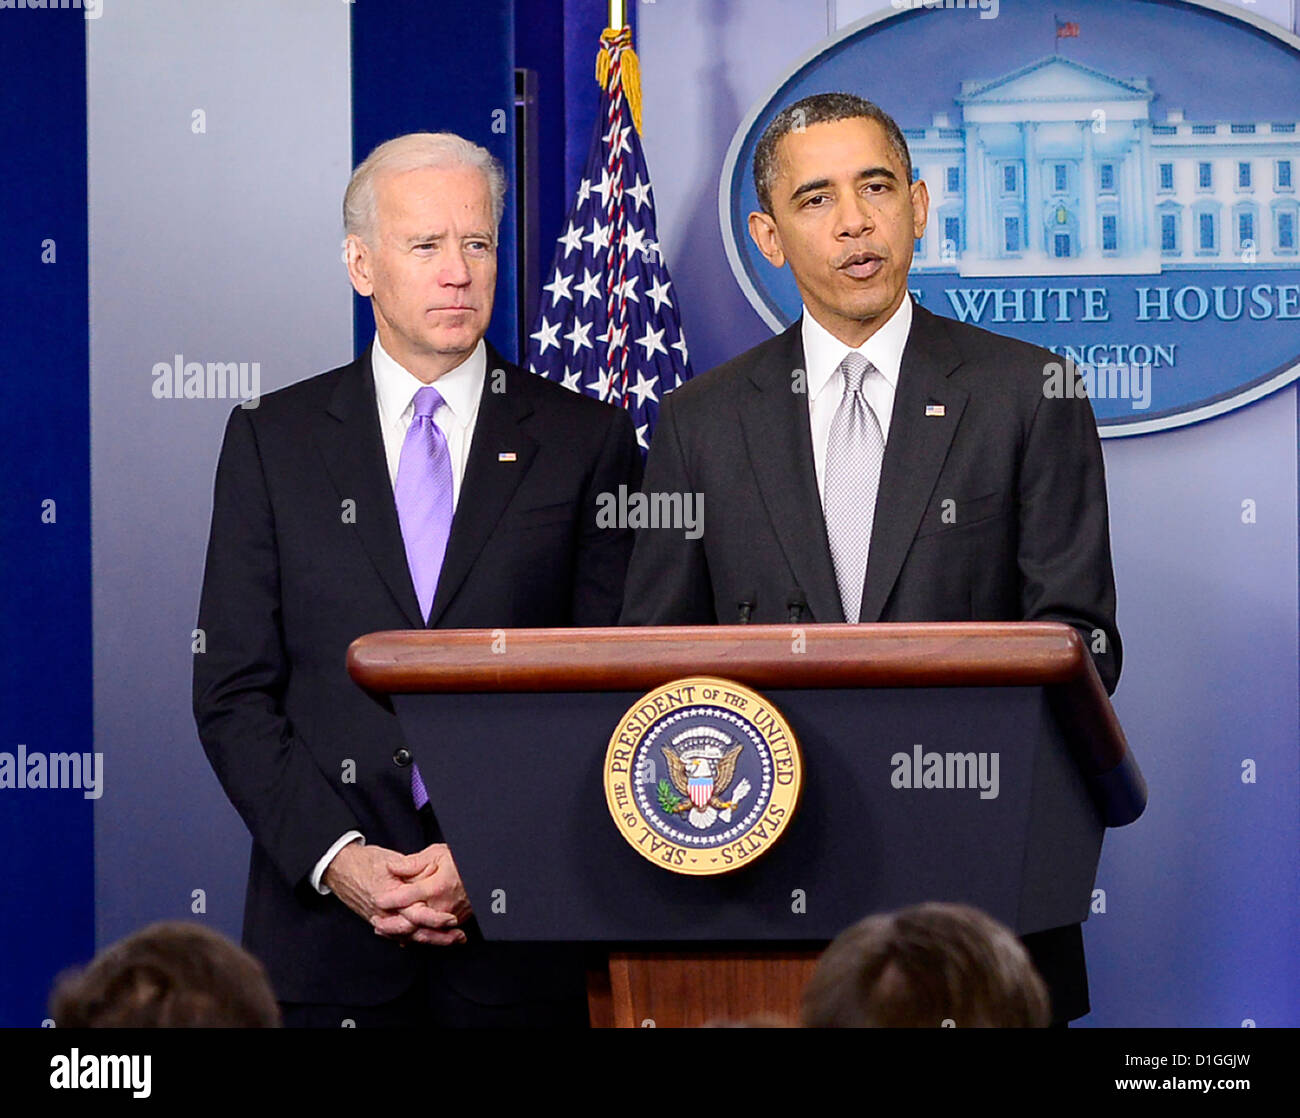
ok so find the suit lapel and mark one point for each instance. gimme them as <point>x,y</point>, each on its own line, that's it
<point>915,453</point>
<point>489,482</point>
<point>778,438</point>
<point>350,441</point>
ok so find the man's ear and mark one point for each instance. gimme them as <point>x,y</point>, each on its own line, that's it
<point>920,208</point>
<point>357,253</point>
<point>762,228</point>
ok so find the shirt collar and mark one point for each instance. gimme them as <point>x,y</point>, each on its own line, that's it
<point>461,388</point>
<point>823,352</point>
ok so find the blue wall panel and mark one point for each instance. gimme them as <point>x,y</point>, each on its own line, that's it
<point>439,68</point>
<point>47,895</point>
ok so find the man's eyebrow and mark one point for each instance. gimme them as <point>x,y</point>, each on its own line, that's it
<point>807,187</point>
<point>434,238</point>
<point>881,172</point>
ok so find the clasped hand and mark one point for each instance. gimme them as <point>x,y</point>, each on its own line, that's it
<point>411,898</point>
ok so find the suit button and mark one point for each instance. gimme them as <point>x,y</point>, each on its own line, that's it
<point>402,756</point>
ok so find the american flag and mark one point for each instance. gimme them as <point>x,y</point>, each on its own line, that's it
<point>608,323</point>
<point>1066,29</point>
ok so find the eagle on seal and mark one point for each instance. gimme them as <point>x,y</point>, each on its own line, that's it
<point>700,776</point>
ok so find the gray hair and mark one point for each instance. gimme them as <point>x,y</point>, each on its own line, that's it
<point>820,108</point>
<point>412,152</point>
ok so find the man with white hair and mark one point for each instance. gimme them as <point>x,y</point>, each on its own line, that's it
<point>428,483</point>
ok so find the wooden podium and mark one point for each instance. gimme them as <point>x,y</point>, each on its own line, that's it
<point>510,728</point>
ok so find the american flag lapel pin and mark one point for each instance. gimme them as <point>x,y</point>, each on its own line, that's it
<point>934,409</point>
<point>507,456</point>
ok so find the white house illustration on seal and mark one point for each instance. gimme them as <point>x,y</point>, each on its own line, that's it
<point>1058,169</point>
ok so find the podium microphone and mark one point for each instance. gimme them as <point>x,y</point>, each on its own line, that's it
<point>745,607</point>
<point>796,603</point>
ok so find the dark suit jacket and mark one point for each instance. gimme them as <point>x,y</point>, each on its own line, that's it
<point>1026,538</point>
<point>306,555</point>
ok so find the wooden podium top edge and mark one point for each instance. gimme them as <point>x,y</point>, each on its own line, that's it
<point>890,654</point>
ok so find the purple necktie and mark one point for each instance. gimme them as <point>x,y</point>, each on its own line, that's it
<point>424,509</point>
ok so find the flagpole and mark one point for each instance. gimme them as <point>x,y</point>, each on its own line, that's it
<point>617,14</point>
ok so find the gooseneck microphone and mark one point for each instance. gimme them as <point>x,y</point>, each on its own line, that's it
<point>796,603</point>
<point>745,607</point>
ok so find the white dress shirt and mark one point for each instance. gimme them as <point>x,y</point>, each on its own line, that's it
<point>461,389</point>
<point>822,354</point>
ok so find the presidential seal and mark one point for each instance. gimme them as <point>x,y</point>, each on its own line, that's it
<point>702,776</point>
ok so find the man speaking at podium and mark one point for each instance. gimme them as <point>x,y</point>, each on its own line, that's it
<point>428,483</point>
<point>876,462</point>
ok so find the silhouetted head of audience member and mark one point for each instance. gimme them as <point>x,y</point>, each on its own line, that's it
<point>169,975</point>
<point>924,967</point>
